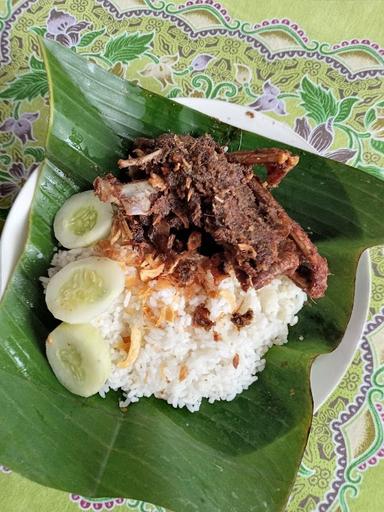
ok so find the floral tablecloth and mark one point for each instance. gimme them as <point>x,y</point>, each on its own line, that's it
<point>317,66</point>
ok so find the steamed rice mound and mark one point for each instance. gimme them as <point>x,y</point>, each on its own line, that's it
<point>157,348</point>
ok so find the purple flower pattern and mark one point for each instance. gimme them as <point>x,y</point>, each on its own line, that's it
<point>93,505</point>
<point>200,62</point>
<point>21,127</point>
<point>321,138</point>
<point>19,175</point>
<point>269,101</point>
<point>63,27</point>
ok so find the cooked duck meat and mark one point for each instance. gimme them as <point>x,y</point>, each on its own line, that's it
<point>278,162</point>
<point>191,186</point>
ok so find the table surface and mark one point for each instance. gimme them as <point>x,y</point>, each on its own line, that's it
<point>260,54</point>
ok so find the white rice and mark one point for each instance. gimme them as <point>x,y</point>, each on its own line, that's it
<point>183,364</point>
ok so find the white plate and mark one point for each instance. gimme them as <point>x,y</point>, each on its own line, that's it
<point>328,369</point>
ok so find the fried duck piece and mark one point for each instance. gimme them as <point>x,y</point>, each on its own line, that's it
<point>299,260</point>
<point>197,186</point>
<point>278,162</point>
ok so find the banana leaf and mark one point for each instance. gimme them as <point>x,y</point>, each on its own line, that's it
<point>237,456</point>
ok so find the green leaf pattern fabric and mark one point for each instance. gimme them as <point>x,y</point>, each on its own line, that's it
<point>291,67</point>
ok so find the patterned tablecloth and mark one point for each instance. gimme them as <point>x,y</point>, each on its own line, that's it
<point>316,65</point>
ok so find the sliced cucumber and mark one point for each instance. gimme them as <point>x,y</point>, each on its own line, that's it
<point>84,289</point>
<point>79,357</point>
<point>82,220</point>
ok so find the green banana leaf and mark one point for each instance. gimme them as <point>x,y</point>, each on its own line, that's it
<point>240,456</point>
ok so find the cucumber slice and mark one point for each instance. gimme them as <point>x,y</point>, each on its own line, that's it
<point>79,357</point>
<point>82,220</point>
<point>84,289</point>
